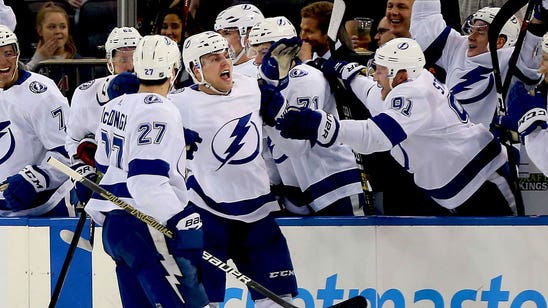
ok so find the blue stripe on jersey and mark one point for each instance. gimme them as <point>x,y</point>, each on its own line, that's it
<point>61,150</point>
<point>148,167</point>
<point>469,172</point>
<point>333,182</point>
<point>23,75</point>
<point>433,53</point>
<point>243,207</point>
<point>390,127</point>
<point>101,168</point>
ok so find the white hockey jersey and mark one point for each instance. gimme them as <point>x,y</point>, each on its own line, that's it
<point>536,145</point>
<point>33,115</point>
<point>324,175</point>
<point>86,105</point>
<point>470,79</point>
<point>248,68</point>
<point>227,176</point>
<point>431,136</point>
<point>141,151</point>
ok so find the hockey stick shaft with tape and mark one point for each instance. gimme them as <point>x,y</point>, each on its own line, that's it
<point>504,14</point>
<point>151,221</point>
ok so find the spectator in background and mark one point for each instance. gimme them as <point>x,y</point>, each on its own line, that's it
<point>398,13</point>
<point>314,24</point>
<point>173,26</point>
<point>383,34</point>
<point>55,42</point>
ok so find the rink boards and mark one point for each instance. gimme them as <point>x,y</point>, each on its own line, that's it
<point>393,262</point>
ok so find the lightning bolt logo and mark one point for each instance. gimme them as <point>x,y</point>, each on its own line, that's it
<point>270,146</point>
<point>471,79</point>
<point>173,278</point>
<point>4,130</point>
<point>242,134</point>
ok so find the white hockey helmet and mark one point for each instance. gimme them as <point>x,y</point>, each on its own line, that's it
<point>201,44</point>
<point>156,57</point>
<point>7,37</point>
<point>240,16</point>
<point>271,29</point>
<point>510,29</point>
<point>401,54</point>
<point>118,38</point>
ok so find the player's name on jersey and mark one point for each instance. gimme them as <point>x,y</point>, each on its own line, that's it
<point>114,118</point>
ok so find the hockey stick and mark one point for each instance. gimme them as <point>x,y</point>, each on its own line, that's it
<point>186,7</point>
<point>517,47</point>
<point>507,10</point>
<point>345,111</point>
<point>68,259</point>
<point>151,221</point>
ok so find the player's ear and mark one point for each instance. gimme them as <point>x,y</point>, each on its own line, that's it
<point>501,40</point>
<point>400,77</point>
<point>197,73</point>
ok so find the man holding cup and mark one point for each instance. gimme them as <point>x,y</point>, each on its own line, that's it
<point>359,30</point>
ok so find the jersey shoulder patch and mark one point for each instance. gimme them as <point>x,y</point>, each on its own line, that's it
<point>295,73</point>
<point>37,87</point>
<point>152,99</point>
<point>177,91</point>
<point>86,85</point>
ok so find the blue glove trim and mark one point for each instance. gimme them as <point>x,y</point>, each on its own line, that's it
<point>189,239</point>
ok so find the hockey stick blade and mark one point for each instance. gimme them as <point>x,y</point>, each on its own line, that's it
<point>336,19</point>
<point>354,302</point>
<point>67,235</point>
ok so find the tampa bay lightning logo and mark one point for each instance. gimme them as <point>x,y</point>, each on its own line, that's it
<point>294,73</point>
<point>86,85</point>
<point>6,142</point>
<point>403,46</point>
<point>236,142</point>
<point>37,87</point>
<point>474,79</point>
<point>152,99</point>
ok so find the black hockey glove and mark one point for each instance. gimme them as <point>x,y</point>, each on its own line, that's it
<point>188,241</point>
<point>307,124</point>
<point>273,104</point>
<point>192,138</point>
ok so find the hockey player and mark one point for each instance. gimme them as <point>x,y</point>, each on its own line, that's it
<point>315,180</point>
<point>223,108</point>
<point>466,59</point>
<point>141,153</point>
<point>90,97</point>
<point>456,162</point>
<point>528,115</point>
<point>234,24</point>
<point>32,128</point>
<point>88,101</point>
